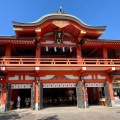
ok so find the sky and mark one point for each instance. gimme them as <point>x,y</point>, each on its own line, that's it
<point>92,12</point>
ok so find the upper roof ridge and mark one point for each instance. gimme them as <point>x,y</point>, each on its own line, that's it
<point>60,11</point>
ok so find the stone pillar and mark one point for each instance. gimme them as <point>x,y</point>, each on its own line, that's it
<point>80,95</point>
<point>40,96</point>
<point>8,93</point>
<point>109,93</point>
<point>32,96</point>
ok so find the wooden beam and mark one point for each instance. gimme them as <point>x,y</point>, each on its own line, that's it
<point>66,38</point>
<point>57,45</point>
<point>95,81</point>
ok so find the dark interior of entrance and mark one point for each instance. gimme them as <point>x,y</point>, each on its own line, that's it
<point>59,96</point>
<point>93,98</point>
<point>25,95</point>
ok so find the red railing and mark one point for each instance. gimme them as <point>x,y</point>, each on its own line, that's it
<point>58,62</point>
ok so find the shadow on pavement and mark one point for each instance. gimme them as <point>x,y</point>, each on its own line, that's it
<point>49,118</point>
<point>13,115</point>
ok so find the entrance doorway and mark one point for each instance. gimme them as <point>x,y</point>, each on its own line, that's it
<point>93,95</point>
<point>96,95</point>
<point>59,96</point>
<point>25,95</point>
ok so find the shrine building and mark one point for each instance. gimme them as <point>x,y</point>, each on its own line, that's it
<point>58,60</point>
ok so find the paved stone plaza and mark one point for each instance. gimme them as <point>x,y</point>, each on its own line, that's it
<point>64,113</point>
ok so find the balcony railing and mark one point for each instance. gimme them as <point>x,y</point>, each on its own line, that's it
<point>57,62</point>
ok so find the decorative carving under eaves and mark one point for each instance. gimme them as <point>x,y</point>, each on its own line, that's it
<point>60,23</point>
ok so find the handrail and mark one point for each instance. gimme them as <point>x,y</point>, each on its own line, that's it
<point>57,61</point>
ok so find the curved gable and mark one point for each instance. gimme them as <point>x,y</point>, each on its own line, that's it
<point>48,22</point>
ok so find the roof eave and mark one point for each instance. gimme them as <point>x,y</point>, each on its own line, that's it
<point>59,16</point>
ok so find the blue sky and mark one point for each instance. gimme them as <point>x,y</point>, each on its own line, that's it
<point>91,12</point>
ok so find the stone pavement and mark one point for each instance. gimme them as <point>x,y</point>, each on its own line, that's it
<point>64,113</point>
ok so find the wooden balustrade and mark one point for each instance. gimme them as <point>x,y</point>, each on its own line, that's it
<point>57,61</point>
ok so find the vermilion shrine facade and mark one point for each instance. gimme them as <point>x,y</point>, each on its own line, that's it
<point>58,54</point>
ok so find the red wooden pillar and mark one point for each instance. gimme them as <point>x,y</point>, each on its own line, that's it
<point>3,99</point>
<point>84,94</point>
<point>8,50</point>
<point>38,49</point>
<point>14,94</point>
<point>3,93</point>
<point>36,96</point>
<point>36,80</point>
<point>111,91</point>
<point>105,54</point>
<point>79,55</point>
<point>38,52</point>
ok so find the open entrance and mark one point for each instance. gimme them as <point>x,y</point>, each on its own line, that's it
<point>116,91</point>
<point>25,95</point>
<point>59,96</point>
<point>95,93</point>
